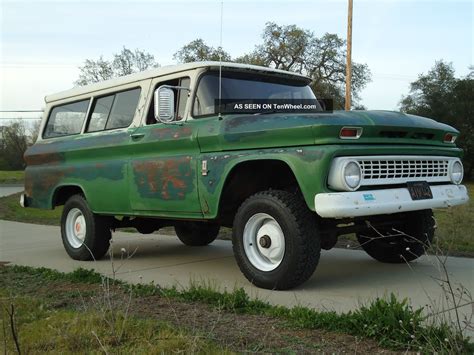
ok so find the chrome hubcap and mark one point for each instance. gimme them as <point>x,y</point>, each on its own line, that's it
<point>264,242</point>
<point>75,228</point>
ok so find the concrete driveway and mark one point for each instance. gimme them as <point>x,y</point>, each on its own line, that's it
<point>10,189</point>
<point>343,280</point>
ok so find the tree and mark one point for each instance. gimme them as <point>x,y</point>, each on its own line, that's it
<point>15,142</point>
<point>197,50</point>
<point>34,131</point>
<point>299,50</point>
<point>440,95</point>
<point>321,58</point>
<point>431,92</point>
<point>463,119</point>
<point>123,63</point>
<point>283,47</point>
<point>326,65</point>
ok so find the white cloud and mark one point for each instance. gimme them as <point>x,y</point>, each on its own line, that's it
<point>43,42</point>
<point>24,86</point>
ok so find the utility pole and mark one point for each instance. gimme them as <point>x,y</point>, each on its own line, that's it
<point>349,58</point>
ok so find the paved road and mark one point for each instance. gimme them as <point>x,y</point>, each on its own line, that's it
<point>10,189</point>
<point>343,280</point>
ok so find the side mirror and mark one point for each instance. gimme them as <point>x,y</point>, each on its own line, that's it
<point>164,104</point>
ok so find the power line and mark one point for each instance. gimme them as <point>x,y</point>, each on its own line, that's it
<point>13,111</point>
<point>20,118</point>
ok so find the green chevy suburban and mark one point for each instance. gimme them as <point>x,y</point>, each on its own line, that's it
<point>150,150</point>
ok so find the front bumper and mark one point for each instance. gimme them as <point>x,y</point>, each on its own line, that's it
<point>385,201</point>
<point>23,200</point>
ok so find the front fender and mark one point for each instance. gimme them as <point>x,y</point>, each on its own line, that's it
<point>308,164</point>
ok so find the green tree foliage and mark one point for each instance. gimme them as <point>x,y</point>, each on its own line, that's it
<point>14,144</point>
<point>299,50</point>
<point>197,51</point>
<point>321,58</point>
<point>445,98</point>
<point>283,47</point>
<point>123,63</point>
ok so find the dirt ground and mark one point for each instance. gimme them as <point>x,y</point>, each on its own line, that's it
<point>237,332</point>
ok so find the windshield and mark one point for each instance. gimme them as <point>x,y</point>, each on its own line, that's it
<point>237,86</point>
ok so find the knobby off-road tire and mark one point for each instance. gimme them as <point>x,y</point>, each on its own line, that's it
<point>418,232</point>
<point>275,240</point>
<point>196,234</point>
<point>85,235</point>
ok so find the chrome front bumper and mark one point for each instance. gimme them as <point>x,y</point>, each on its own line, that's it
<point>386,201</point>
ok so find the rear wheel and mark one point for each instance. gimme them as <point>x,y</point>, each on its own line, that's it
<point>85,235</point>
<point>275,240</point>
<point>196,234</point>
<point>403,243</point>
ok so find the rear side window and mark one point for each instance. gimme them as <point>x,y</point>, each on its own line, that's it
<point>114,111</point>
<point>66,119</point>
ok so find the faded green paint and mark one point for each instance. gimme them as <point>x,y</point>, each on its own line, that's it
<point>159,172</point>
<point>163,173</point>
<point>92,162</point>
<point>242,132</point>
<point>310,165</point>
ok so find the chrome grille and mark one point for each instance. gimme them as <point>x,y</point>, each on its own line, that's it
<point>393,170</point>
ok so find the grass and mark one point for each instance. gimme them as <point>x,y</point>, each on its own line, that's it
<point>453,236</point>
<point>394,323</point>
<point>12,177</point>
<point>454,233</point>
<point>11,210</point>
<point>391,322</point>
<point>42,328</point>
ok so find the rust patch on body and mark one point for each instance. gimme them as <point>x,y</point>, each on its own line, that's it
<point>168,179</point>
<point>241,121</point>
<point>43,158</point>
<point>40,184</point>
<point>171,133</point>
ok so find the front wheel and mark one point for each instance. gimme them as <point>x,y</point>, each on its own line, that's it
<point>85,235</point>
<point>403,243</point>
<point>275,240</point>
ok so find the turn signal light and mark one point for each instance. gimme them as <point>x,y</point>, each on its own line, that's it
<point>350,133</point>
<point>449,138</point>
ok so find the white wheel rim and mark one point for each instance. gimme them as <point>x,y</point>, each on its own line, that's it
<point>264,242</point>
<point>75,228</point>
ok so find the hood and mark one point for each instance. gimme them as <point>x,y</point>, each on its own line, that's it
<point>379,127</point>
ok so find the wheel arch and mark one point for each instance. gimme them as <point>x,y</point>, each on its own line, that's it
<point>258,174</point>
<point>63,192</point>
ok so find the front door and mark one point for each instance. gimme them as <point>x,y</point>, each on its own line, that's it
<point>163,164</point>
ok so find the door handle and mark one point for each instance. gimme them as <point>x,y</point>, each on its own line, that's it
<point>137,135</point>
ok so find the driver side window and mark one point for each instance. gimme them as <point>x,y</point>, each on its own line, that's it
<point>181,98</point>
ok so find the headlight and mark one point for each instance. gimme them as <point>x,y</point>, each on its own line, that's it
<point>345,174</point>
<point>352,174</point>
<point>456,172</point>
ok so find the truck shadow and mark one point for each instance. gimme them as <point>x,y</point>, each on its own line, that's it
<point>343,270</point>
<point>338,269</point>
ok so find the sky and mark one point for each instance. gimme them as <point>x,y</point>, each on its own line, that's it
<point>44,42</point>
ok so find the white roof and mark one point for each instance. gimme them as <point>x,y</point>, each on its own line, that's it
<point>169,69</point>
